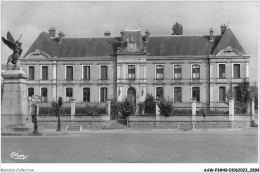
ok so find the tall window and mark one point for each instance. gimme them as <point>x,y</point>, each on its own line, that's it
<point>69,72</point>
<point>131,71</point>
<point>44,72</point>
<point>86,94</point>
<point>103,94</point>
<point>177,94</point>
<point>237,93</point>
<point>69,94</point>
<point>177,71</point>
<point>222,94</point>
<point>222,71</point>
<point>44,94</point>
<point>195,71</point>
<point>196,93</point>
<point>103,72</point>
<point>86,72</point>
<point>159,92</point>
<point>30,93</point>
<point>159,71</point>
<point>236,71</point>
<point>31,73</point>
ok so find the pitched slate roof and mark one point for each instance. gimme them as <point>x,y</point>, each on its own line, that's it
<point>75,47</point>
<point>228,39</point>
<point>178,45</point>
<point>157,45</point>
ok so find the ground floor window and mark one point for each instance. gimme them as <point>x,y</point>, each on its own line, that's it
<point>159,92</point>
<point>44,93</point>
<point>222,94</point>
<point>30,93</point>
<point>103,94</point>
<point>69,94</point>
<point>177,94</point>
<point>196,93</point>
<point>86,94</point>
<point>237,93</point>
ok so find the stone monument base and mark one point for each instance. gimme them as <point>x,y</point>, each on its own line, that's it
<point>14,113</point>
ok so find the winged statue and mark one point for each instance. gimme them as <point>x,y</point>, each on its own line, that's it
<point>16,47</point>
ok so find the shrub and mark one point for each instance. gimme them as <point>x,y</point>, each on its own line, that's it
<point>65,110</point>
<point>150,104</point>
<point>213,111</point>
<point>126,107</point>
<point>180,111</point>
<point>165,106</point>
<point>46,110</point>
<point>90,110</point>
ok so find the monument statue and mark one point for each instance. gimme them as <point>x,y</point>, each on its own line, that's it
<point>16,47</point>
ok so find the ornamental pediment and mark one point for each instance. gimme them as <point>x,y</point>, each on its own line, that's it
<point>37,54</point>
<point>229,51</point>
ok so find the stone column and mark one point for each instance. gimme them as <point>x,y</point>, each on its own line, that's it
<point>14,110</point>
<point>137,109</point>
<point>72,113</point>
<point>252,107</point>
<point>109,107</point>
<point>252,112</point>
<point>193,115</point>
<point>231,107</point>
<point>231,112</point>
<point>143,109</point>
<point>157,111</point>
<point>248,108</point>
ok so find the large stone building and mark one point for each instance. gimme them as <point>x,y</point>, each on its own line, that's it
<point>178,67</point>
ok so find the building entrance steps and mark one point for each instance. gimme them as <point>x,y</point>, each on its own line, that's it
<point>114,124</point>
<point>185,128</point>
<point>73,128</point>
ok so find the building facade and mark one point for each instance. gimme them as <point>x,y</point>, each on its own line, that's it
<point>178,67</point>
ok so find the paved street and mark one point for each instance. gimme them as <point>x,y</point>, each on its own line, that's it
<point>214,146</point>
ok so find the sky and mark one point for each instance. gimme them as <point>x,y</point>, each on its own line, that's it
<point>92,19</point>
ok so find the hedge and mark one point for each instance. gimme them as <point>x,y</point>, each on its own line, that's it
<point>67,110</point>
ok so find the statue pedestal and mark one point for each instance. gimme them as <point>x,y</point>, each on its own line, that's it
<point>14,113</point>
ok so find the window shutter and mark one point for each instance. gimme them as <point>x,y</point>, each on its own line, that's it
<point>222,94</point>
<point>31,73</point>
<point>102,95</point>
<point>69,73</point>
<point>103,72</point>
<point>236,71</point>
<point>44,72</point>
<point>86,72</point>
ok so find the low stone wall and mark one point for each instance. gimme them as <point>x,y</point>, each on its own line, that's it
<point>173,122</point>
<point>76,118</point>
<point>87,122</point>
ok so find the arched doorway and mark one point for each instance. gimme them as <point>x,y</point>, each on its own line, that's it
<point>131,93</point>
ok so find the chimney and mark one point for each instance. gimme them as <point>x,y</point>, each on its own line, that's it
<point>52,33</point>
<point>211,38</point>
<point>61,35</point>
<point>122,34</point>
<point>147,33</point>
<point>107,33</point>
<point>223,28</point>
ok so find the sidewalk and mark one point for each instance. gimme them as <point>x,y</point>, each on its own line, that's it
<point>53,132</point>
